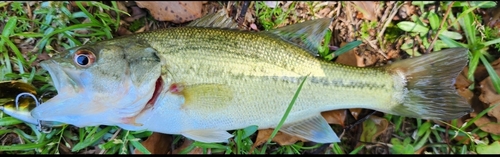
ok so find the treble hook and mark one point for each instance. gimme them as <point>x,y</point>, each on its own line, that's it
<point>39,125</point>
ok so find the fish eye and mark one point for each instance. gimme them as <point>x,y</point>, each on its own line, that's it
<point>84,58</point>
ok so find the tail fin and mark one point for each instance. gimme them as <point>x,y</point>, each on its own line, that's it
<point>429,91</point>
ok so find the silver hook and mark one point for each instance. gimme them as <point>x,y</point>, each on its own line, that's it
<point>39,125</point>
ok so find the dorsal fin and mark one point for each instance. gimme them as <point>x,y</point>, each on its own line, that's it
<point>308,34</point>
<point>215,20</point>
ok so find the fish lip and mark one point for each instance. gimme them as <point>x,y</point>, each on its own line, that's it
<point>61,80</point>
<point>52,67</point>
<point>58,75</point>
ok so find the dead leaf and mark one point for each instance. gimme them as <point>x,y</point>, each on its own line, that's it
<point>157,143</point>
<point>485,123</point>
<point>492,16</point>
<point>367,9</point>
<point>335,117</point>
<point>137,13</point>
<point>372,128</point>
<point>280,138</point>
<point>174,11</point>
<point>187,143</point>
<point>462,85</point>
<point>350,58</point>
<point>355,112</point>
<point>199,150</point>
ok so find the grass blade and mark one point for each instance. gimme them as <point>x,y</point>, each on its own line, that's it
<point>347,47</point>
<point>493,74</point>
<point>285,115</point>
<point>23,146</point>
<point>90,140</point>
<point>135,142</point>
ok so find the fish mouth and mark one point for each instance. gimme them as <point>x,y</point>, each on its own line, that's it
<point>60,77</point>
<point>67,88</point>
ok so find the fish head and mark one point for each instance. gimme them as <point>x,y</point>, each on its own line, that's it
<point>100,84</point>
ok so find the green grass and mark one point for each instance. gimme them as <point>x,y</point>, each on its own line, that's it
<point>56,28</point>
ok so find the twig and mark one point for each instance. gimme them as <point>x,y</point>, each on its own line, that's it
<point>375,48</point>
<point>389,19</point>
<point>386,11</point>
<point>440,26</point>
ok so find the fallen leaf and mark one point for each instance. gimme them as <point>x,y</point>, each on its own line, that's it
<point>492,17</point>
<point>372,128</point>
<point>485,123</point>
<point>367,9</point>
<point>174,11</point>
<point>195,150</point>
<point>355,112</point>
<point>350,58</point>
<point>489,95</point>
<point>157,143</point>
<point>137,13</point>
<point>199,150</point>
<point>280,138</point>
<point>335,117</point>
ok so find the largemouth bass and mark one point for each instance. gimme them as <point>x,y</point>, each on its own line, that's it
<point>202,81</point>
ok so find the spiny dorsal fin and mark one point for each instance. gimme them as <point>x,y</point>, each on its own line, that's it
<point>307,34</point>
<point>215,20</point>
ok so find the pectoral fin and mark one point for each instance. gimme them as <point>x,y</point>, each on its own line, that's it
<point>208,136</point>
<point>315,129</point>
<point>207,96</point>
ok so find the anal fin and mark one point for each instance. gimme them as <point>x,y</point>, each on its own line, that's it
<point>315,129</point>
<point>208,136</point>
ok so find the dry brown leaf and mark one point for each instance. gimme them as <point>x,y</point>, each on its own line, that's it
<point>366,9</point>
<point>488,92</point>
<point>280,138</point>
<point>492,17</point>
<point>489,97</point>
<point>187,143</point>
<point>157,143</point>
<point>462,85</point>
<point>335,117</point>
<point>350,58</point>
<point>137,13</point>
<point>199,150</point>
<point>174,11</point>
<point>485,123</point>
<point>355,112</point>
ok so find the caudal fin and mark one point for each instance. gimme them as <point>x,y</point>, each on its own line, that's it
<point>429,91</point>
